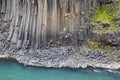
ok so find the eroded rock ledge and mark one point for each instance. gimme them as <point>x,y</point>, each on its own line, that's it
<point>31,29</point>
<point>64,57</point>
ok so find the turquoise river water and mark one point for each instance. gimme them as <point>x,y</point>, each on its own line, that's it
<point>11,70</point>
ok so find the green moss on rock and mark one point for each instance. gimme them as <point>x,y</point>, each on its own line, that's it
<point>94,45</point>
<point>106,14</point>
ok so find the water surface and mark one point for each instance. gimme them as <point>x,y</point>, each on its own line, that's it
<point>10,70</point>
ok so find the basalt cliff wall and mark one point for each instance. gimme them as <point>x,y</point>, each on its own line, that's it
<point>61,33</point>
<point>40,23</point>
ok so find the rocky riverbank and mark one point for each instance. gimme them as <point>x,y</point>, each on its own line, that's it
<point>64,57</point>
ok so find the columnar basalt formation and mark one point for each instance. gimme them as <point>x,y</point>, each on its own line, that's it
<point>61,33</point>
<point>38,24</point>
<point>41,23</point>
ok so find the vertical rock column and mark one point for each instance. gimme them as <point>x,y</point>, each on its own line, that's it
<point>36,24</point>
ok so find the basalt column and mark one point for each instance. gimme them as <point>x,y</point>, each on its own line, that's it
<point>38,24</point>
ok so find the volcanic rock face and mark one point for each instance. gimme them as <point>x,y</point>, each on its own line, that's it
<point>41,23</point>
<point>46,25</point>
<point>38,24</point>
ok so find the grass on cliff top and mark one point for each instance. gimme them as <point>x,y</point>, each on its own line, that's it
<point>106,14</point>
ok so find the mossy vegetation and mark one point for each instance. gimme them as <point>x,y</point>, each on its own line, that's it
<point>111,56</point>
<point>105,19</point>
<point>94,45</point>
